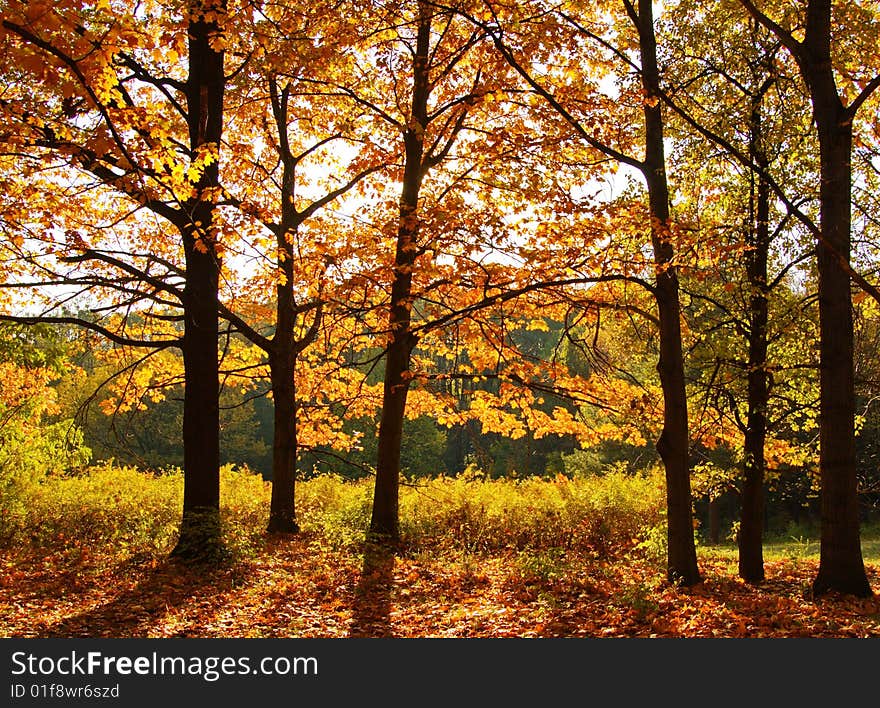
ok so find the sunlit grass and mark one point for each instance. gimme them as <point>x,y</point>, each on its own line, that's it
<point>798,547</point>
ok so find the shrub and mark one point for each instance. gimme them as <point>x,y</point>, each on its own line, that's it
<point>602,515</point>
<point>129,512</point>
<point>134,511</point>
<point>338,510</point>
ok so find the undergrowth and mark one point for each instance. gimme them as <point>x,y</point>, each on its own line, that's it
<point>127,513</point>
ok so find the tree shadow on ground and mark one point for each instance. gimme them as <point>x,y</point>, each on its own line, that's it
<point>135,611</point>
<point>371,609</point>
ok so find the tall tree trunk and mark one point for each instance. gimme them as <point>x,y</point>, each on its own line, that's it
<point>283,350</point>
<point>841,567</point>
<point>751,530</point>
<point>200,527</point>
<point>673,445</point>
<point>384,522</point>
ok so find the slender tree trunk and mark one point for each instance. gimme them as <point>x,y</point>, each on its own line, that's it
<point>282,351</point>
<point>751,558</point>
<point>384,522</point>
<point>714,521</point>
<point>751,531</point>
<point>282,510</point>
<point>673,445</point>
<point>200,527</point>
<point>841,567</point>
<point>456,449</point>
<point>284,348</point>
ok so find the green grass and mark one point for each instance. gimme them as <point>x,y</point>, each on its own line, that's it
<point>871,548</point>
<point>800,546</point>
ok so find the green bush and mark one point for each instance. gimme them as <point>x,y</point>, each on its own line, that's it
<point>602,515</point>
<point>122,506</point>
<point>27,456</point>
<point>129,512</point>
<point>336,509</point>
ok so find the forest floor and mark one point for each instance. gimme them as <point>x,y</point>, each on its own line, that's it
<point>298,587</point>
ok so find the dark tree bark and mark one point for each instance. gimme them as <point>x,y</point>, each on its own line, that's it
<point>455,453</point>
<point>751,530</point>
<point>199,537</point>
<point>840,556</point>
<point>714,521</point>
<point>673,445</point>
<point>200,526</point>
<point>282,510</point>
<point>291,337</point>
<point>841,567</point>
<point>384,521</point>
<point>284,350</point>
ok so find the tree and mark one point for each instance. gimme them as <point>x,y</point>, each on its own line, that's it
<point>429,54</point>
<point>841,567</point>
<point>109,102</point>
<point>734,80</point>
<point>384,518</point>
<point>673,443</point>
<point>284,87</point>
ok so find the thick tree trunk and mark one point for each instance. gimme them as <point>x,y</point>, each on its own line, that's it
<point>673,445</point>
<point>200,537</point>
<point>200,527</point>
<point>384,522</point>
<point>841,567</point>
<point>751,530</point>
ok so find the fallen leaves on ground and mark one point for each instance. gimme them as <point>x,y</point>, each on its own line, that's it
<point>297,587</point>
